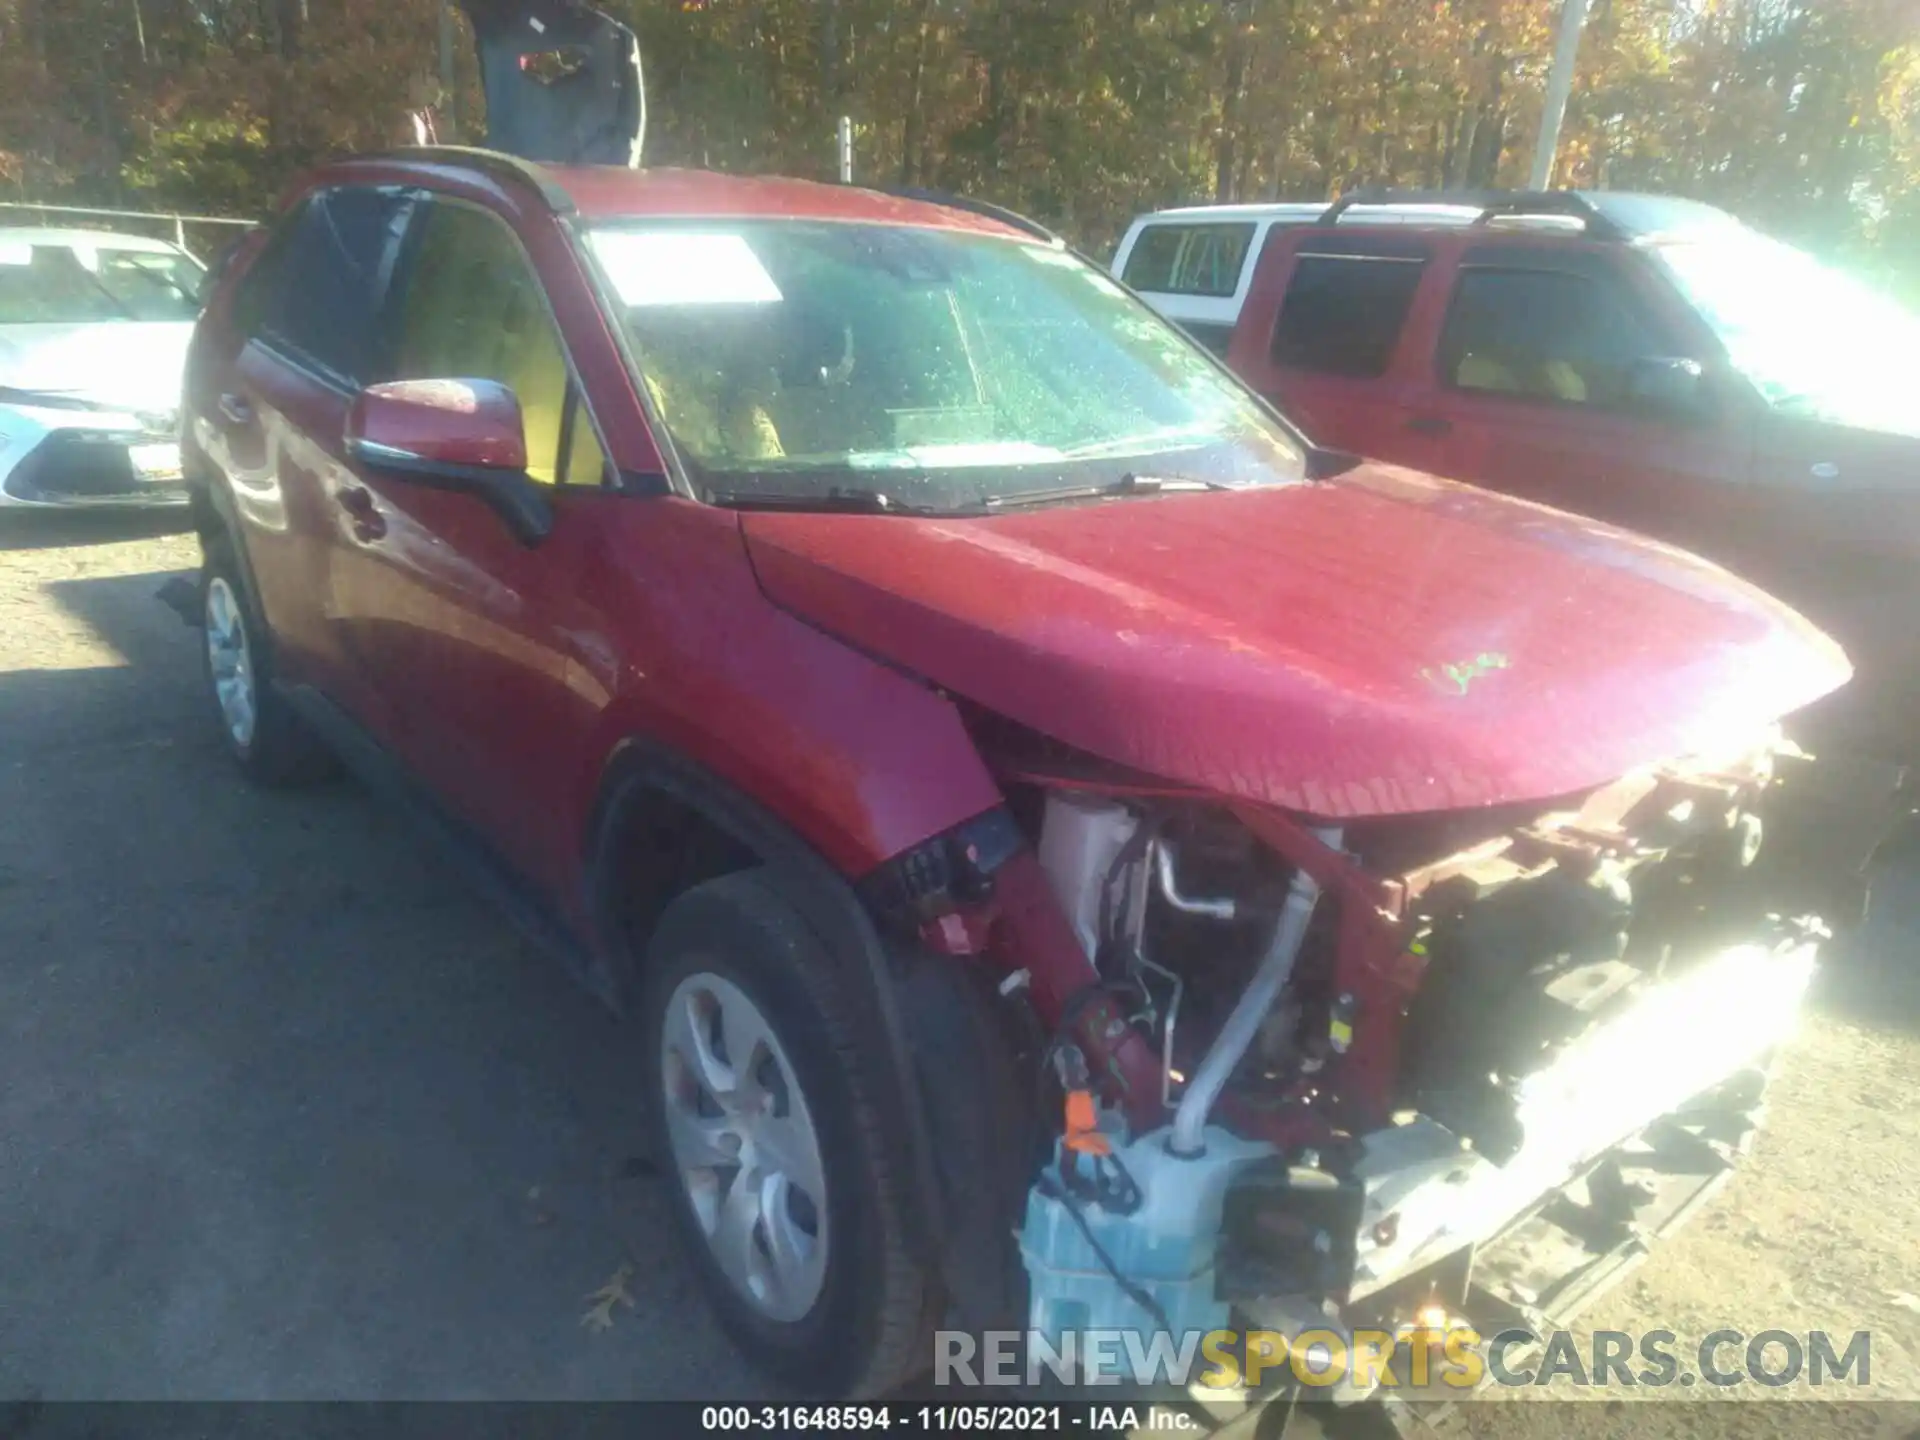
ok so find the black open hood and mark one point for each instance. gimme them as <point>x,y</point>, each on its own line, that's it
<point>562,82</point>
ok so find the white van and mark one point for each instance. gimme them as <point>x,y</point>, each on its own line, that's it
<point>1194,264</point>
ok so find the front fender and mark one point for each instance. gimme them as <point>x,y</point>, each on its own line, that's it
<point>638,776</point>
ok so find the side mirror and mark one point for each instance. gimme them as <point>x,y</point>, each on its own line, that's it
<point>1671,388</point>
<point>461,435</point>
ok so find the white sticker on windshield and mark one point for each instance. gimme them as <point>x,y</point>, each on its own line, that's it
<point>15,252</point>
<point>679,267</point>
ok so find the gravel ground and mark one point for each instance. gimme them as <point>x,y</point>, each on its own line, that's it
<point>286,1113</point>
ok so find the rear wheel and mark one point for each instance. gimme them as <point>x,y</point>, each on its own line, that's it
<point>266,739</point>
<point>789,1187</point>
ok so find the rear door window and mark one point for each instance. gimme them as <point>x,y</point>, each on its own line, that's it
<point>1200,260</point>
<point>1342,314</point>
<point>316,294</point>
<point>1543,335</point>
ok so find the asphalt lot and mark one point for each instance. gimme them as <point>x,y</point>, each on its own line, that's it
<point>286,1113</point>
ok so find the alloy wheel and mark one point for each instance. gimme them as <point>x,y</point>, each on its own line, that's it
<point>231,661</point>
<point>745,1146</point>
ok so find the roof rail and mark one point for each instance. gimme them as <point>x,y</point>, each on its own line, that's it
<point>497,163</point>
<point>1492,204</point>
<point>976,207</point>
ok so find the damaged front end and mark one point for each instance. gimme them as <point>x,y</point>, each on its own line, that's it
<point>1314,1075</point>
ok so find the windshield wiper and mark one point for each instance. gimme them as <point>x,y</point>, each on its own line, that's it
<point>849,501</point>
<point>126,310</point>
<point>1125,485</point>
<point>838,500</point>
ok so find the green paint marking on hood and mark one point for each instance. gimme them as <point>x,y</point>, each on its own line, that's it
<point>1455,678</point>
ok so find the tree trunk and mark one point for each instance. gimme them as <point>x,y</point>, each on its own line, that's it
<point>1490,134</point>
<point>1266,168</point>
<point>1243,173</point>
<point>1469,148</point>
<point>1495,136</point>
<point>289,16</point>
<point>1450,159</point>
<point>913,127</point>
<point>830,54</point>
<point>1232,103</point>
<point>106,121</point>
<point>1000,101</point>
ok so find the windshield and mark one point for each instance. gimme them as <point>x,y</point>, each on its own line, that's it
<point>45,283</point>
<point>940,369</point>
<point>1813,340</point>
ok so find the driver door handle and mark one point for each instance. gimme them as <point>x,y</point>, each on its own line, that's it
<point>235,410</point>
<point>1430,425</point>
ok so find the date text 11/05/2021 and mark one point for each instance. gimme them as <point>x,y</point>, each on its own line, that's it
<point>1078,1418</point>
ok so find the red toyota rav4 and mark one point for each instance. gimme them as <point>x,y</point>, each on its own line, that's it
<point>1644,360</point>
<point>940,704</point>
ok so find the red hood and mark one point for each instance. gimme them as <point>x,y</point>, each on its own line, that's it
<point>1380,644</point>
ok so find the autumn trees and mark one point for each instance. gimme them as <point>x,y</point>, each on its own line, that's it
<point>1802,114</point>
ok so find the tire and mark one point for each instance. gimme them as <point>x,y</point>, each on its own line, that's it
<point>977,1086</point>
<point>818,1290</point>
<point>266,739</point>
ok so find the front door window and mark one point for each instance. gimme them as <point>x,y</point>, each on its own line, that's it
<point>473,309</point>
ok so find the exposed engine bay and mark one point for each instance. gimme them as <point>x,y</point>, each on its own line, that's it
<point>1512,933</point>
<point>1324,1060</point>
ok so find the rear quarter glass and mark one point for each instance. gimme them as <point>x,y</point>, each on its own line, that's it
<point>1185,258</point>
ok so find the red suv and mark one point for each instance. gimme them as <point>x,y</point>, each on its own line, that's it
<point>949,712</point>
<point>1644,360</point>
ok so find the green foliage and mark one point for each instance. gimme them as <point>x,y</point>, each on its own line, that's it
<point>1802,115</point>
<point>207,162</point>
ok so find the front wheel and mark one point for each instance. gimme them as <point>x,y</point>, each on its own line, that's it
<point>266,739</point>
<point>789,1189</point>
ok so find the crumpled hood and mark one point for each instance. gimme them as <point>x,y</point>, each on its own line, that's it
<point>1384,643</point>
<point>135,366</point>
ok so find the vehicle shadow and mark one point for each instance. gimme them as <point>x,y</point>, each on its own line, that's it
<point>59,529</point>
<point>288,1112</point>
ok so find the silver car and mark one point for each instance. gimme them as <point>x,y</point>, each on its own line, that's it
<point>93,339</point>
